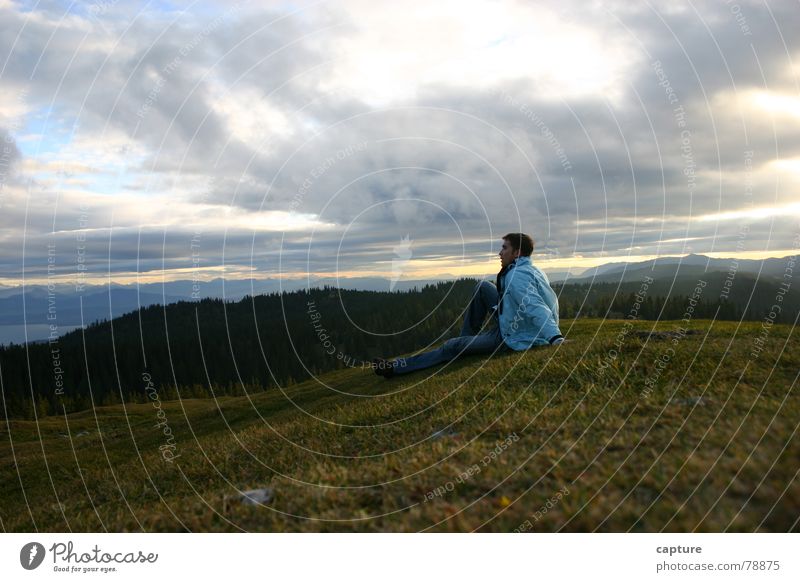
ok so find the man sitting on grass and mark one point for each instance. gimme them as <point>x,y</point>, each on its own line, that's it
<point>523,307</point>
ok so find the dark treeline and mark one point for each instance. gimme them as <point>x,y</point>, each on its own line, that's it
<point>212,347</point>
<point>715,294</point>
<point>651,308</point>
<point>215,348</point>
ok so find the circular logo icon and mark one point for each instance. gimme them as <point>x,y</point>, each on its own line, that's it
<point>31,555</point>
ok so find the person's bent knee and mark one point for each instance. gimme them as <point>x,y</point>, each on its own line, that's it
<point>486,291</point>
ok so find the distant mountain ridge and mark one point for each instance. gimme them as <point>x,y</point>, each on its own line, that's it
<point>36,307</point>
<point>28,316</point>
<point>187,289</point>
<point>109,301</point>
<point>663,266</point>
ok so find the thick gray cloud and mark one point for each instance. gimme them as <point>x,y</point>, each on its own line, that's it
<point>197,121</point>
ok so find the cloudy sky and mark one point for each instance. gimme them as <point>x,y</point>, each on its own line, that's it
<point>173,140</point>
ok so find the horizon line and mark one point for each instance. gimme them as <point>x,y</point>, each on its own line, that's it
<point>238,273</point>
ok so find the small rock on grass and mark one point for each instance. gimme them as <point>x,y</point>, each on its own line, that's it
<point>257,496</point>
<point>252,497</point>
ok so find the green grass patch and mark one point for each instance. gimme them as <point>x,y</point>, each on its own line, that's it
<point>706,440</point>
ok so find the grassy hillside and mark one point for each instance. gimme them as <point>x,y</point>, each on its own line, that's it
<point>592,435</point>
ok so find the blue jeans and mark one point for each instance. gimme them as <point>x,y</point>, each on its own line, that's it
<point>475,338</point>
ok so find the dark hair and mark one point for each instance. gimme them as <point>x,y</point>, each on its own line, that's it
<point>520,242</point>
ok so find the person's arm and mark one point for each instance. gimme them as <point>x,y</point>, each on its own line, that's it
<point>528,310</point>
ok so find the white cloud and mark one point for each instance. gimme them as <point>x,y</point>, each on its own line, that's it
<point>753,214</point>
<point>399,49</point>
<point>249,115</point>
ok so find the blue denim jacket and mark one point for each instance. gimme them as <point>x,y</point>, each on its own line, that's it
<point>529,314</point>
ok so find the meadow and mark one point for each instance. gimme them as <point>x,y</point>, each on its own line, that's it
<point>630,426</point>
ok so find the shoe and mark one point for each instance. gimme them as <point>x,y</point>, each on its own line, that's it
<point>383,368</point>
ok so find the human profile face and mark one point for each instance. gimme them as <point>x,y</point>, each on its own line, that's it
<point>507,254</point>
